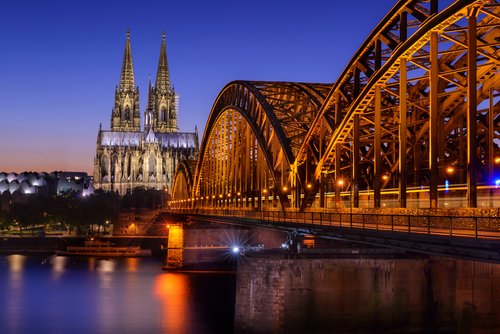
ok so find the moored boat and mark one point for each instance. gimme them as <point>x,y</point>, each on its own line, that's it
<point>95,247</point>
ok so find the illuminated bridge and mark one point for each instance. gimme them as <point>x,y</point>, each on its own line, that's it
<point>405,139</point>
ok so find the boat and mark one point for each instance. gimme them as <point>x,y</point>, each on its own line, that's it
<point>94,247</point>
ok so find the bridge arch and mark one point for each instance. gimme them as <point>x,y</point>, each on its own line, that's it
<point>182,185</point>
<point>414,110</point>
<point>252,136</point>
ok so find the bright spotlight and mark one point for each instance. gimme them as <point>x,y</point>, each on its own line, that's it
<point>236,249</point>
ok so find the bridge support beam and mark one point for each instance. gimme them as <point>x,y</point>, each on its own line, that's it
<point>377,147</point>
<point>471,111</point>
<point>355,163</point>
<point>433,122</point>
<point>402,133</point>
<point>338,182</point>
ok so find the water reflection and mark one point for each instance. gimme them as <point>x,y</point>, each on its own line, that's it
<point>14,295</point>
<point>172,291</point>
<point>132,264</point>
<point>126,296</point>
<point>16,263</point>
<point>58,265</point>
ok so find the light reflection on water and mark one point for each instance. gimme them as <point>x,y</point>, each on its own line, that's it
<point>171,290</point>
<point>91,295</point>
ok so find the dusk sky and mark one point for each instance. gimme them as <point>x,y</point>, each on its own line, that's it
<point>60,62</point>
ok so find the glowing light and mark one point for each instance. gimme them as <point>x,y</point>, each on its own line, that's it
<point>264,191</point>
<point>309,186</point>
<point>497,160</point>
<point>340,182</point>
<point>228,194</point>
<point>450,170</point>
<point>236,249</point>
<point>446,185</point>
<point>385,177</point>
<point>220,196</point>
<point>239,193</point>
<point>497,182</point>
<point>285,188</point>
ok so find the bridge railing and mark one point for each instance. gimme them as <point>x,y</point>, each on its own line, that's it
<point>484,227</point>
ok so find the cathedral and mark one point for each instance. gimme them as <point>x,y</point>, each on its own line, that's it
<point>128,156</point>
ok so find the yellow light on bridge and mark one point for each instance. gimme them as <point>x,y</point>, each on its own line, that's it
<point>285,188</point>
<point>450,170</point>
<point>239,193</point>
<point>385,177</point>
<point>264,191</point>
<point>340,182</point>
<point>220,196</point>
<point>228,194</point>
<point>497,160</point>
<point>309,186</point>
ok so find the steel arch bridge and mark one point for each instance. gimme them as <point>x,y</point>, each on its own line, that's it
<point>412,121</point>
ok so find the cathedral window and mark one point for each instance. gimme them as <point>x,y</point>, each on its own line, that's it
<point>127,113</point>
<point>163,114</point>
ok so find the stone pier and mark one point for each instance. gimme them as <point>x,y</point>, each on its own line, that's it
<point>311,295</point>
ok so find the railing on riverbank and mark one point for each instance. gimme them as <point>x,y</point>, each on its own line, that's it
<point>472,226</point>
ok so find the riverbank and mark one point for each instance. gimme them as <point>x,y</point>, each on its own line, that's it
<point>57,244</point>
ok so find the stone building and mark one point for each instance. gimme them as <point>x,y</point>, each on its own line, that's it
<point>127,156</point>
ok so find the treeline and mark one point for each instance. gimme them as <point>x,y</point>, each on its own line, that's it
<point>71,211</point>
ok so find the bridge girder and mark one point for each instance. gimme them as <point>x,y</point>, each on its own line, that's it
<point>397,116</point>
<point>419,98</point>
<point>252,135</point>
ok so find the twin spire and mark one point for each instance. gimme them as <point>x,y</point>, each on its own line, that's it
<point>127,82</point>
<point>162,75</point>
<point>161,110</point>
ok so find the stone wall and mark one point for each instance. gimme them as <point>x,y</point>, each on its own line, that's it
<point>366,296</point>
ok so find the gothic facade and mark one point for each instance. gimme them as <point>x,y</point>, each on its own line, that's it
<point>127,156</point>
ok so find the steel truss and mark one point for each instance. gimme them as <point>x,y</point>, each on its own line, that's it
<point>417,106</point>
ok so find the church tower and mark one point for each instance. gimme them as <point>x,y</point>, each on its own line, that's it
<point>126,115</point>
<point>161,111</point>
<point>126,157</point>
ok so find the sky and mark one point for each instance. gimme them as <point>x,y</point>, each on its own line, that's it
<point>60,62</point>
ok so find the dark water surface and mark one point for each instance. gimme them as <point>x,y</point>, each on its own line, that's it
<point>129,295</point>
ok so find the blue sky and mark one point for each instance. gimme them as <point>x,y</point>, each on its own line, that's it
<point>60,62</point>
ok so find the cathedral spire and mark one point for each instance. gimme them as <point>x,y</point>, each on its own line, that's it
<point>163,76</point>
<point>127,82</point>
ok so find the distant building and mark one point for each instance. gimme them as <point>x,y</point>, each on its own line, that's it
<point>128,157</point>
<point>47,184</point>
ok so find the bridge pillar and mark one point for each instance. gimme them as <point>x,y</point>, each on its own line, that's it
<point>402,133</point>
<point>338,179</point>
<point>322,190</point>
<point>433,121</point>
<point>355,164</point>
<point>471,111</point>
<point>376,149</point>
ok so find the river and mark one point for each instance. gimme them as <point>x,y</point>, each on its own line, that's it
<point>283,294</point>
<point>59,294</point>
